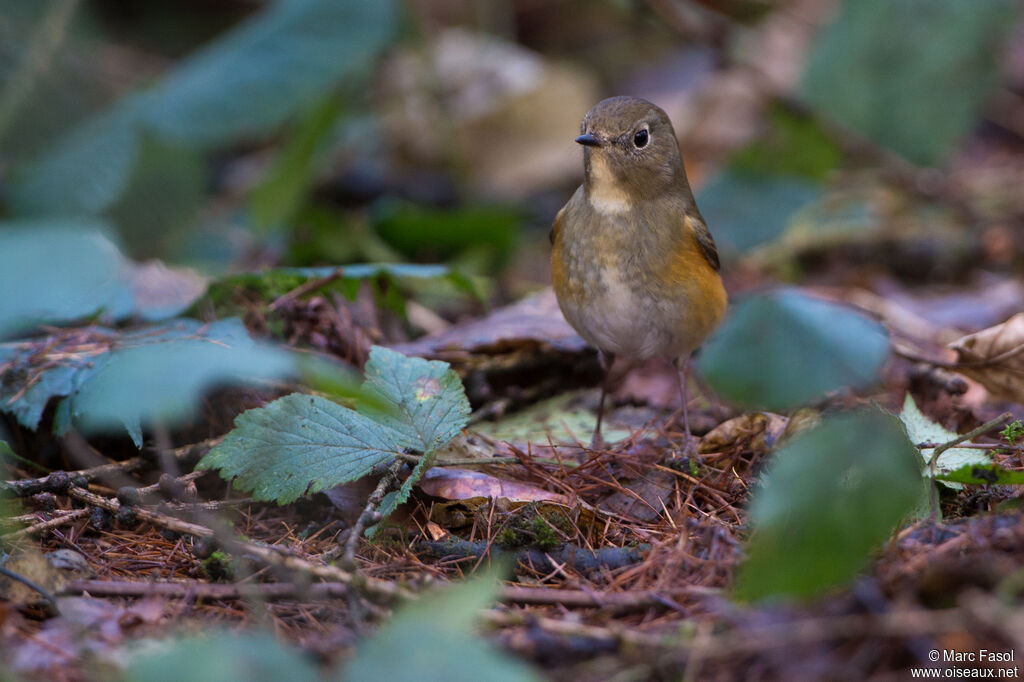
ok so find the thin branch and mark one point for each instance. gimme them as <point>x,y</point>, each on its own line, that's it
<point>309,287</point>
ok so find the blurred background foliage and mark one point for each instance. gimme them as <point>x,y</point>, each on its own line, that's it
<point>236,134</point>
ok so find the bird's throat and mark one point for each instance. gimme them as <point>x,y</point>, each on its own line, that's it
<point>604,191</point>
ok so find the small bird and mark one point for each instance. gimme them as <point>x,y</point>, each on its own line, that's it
<point>634,267</point>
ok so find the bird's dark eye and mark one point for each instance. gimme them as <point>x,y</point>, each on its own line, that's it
<point>641,138</point>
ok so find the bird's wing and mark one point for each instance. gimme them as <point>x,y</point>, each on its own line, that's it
<point>704,240</point>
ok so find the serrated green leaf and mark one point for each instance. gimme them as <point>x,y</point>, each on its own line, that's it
<point>432,640</point>
<point>424,400</point>
<point>299,445</point>
<point>828,498</point>
<point>220,656</point>
<point>159,374</point>
<point>921,429</point>
<point>783,349</point>
<point>62,269</point>
<point>911,75</point>
<point>271,67</point>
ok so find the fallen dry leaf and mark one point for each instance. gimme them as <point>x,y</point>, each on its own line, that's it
<point>994,357</point>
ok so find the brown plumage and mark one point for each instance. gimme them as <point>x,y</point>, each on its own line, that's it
<point>634,267</point>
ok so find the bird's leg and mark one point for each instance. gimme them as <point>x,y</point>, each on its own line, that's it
<point>690,448</point>
<point>606,360</point>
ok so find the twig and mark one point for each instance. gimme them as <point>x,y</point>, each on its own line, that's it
<point>31,486</point>
<point>302,290</point>
<point>31,585</point>
<point>48,524</point>
<point>370,514</point>
<point>933,495</point>
<point>984,428</point>
<point>586,599</point>
<point>749,641</point>
<point>268,554</point>
<point>199,590</point>
<point>975,446</point>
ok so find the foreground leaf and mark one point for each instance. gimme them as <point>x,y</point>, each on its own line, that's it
<point>215,657</point>
<point>783,349</point>
<point>828,499</point>
<point>61,270</point>
<point>911,75</point>
<point>433,641</point>
<point>160,373</point>
<point>269,68</point>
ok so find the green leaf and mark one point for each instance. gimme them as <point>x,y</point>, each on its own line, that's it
<point>911,75</point>
<point>440,234</point>
<point>794,145</point>
<point>745,209</point>
<point>423,400</point>
<point>158,206</point>
<point>84,171</point>
<point>62,269</point>
<point>978,474</point>
<point>274,65</point>
<point>159,374</point>
<point>219,656</point>
<point>280,194</point>
<point>783,349</point>
<point>921,429</point>
<point>432,640</point>
<point>300,444</point>
<point>272,283</point>
<point>27,406</point>
<point>829,497</point>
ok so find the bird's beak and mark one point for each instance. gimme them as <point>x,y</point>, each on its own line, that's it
<point>588,140</point>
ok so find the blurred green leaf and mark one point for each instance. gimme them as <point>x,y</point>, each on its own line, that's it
<point>280,194</point>
<point>432,640</point>
<point>62,269</point>
<point>158,374</point>
<point>439,234</point>
<point>86,170</point>
<point>248,82</point>
<point>220,656</point>
<point>746,209</point>
<point>911,75</point>
<point>783,349</point>
<point>828,498</point>
<point>159,204</point>
<point>27,404</point>
<point>300,444</point>
<point>793,145</point>
<point>274,65</point>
